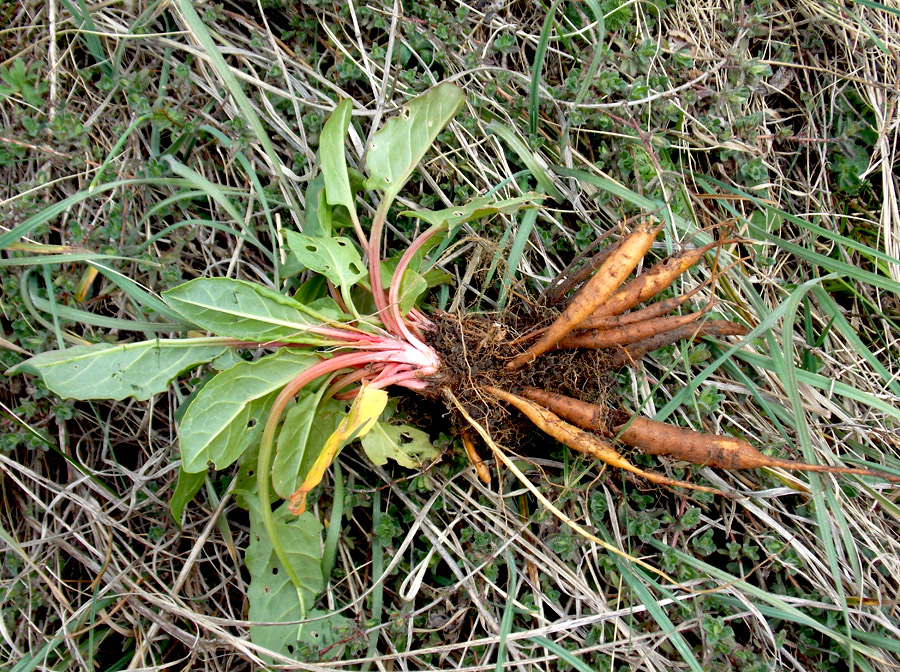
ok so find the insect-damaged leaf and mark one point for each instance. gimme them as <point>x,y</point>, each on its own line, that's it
<point>405,445</point>
<point>243,310</point>
<point>335,258</point>
<point>273,597</point>
<point>474,209</point>
<point>363,413</point>
<point>401,143</point>
<point>225,417</point>
<point>105,371</point>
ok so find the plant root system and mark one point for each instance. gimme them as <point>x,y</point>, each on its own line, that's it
<point>562,382</point>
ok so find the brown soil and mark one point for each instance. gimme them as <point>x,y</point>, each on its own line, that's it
<point>475,348</point>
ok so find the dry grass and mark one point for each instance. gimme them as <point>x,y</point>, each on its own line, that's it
<point>96,571</point>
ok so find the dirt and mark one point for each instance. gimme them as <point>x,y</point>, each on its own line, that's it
<point>475,349</point>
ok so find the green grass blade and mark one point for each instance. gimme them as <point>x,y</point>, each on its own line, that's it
<point>515,254</point>
<point>834,312</point>
<point>785,611</point>
<point>527,157</point>
<point>52,211</point>
<point>202,33</point>
<point>329,550</point>
<point>538,67</point>
<point>34,302</point>
<point>377,571</point>
<point>784,364</point>
<point>218,226</point>
<point>563,653</point>
<point>267,212</point>
<point>215,193</point>
<point>509,612</point>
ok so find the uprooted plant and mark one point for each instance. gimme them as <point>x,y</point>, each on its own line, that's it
<point>355,328</point>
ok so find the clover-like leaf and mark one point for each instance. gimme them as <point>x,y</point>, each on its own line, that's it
<point>335,258</point>
<point>397,148</point>
<point>224,418</point>
<point>107,371</point>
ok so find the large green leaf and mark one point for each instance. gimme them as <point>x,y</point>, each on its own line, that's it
<point>307,426</point>
<point>243,310</point>
<point>331,155</point>
<point>273,597</point>
<point>401,143</point>
<point>106,371</point>
<point>474,209</point>
<point>225,416</point>
<point>335,258</point>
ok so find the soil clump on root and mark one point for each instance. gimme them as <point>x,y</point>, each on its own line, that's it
<point>475,349</point>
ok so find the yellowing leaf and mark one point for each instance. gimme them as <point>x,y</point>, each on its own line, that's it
<point>364,412</point>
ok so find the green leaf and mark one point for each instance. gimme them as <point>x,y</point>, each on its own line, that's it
<point>401,143</point>
<point>412,286</point>
<point>225,416</point>
<point>307,425</point>
<point>406,445</point>
<point>314,288</point>
<point>317,216</point>
<point>367,406</point>
<point>474,209</point>
<point>106,371</point>
<point>243,310</point>
<point>335,258</point>
<point>272,596</point>
<point>331,155</point>
<point>186,489</point>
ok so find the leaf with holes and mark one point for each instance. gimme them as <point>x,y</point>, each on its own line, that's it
<point>401,143</point>
<point>105,371</point>
<point>273,597</point>
<point>335,258</point>
<point>224,418</point>
<point>244,310</point>
<point>474,209</point>
<point>406,445</point>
